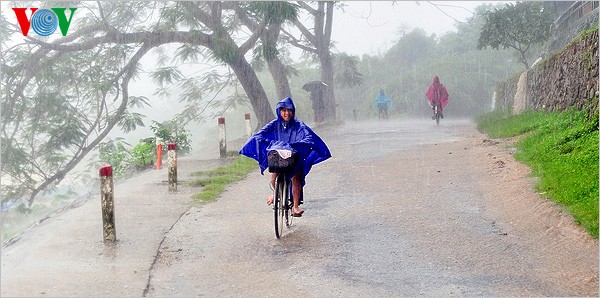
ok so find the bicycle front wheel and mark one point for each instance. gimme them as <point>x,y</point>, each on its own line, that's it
<point>288,205</point>
<point>279,205</point>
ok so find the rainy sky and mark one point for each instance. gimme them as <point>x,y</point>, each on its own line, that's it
<point>372,27</point>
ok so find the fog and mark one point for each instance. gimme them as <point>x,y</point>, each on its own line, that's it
<point>372,27</point>
<point>360,28</point>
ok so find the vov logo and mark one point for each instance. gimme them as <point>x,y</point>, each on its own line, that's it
<point>44,21</point>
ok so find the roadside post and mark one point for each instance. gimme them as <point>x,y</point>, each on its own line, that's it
<point>108,205</point>
<point>248,127</point>
<point>222,138</point>
<point>159,149</point>
<point>172,161</point>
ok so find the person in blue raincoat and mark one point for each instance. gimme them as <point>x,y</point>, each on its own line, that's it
<point>287,132</point>
<point>383,103</point>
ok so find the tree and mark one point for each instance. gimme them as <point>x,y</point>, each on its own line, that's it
<point>275,13</point>
<point>347,73</point>
<point>57,106</point>
<point>517,26</point>
<point>318,42</point>
<point>412,47</point>
<point>61,97</point>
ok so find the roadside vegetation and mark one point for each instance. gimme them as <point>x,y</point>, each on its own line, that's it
<point>561,148</point>
<point>126,160</point>
<point>213,182</point>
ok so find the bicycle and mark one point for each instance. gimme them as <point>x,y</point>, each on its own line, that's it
<point>282,192</point>
<point>437,114</point>
<point>383,114</point>
<point>282,203</point>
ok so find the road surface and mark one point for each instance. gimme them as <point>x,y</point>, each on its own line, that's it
<point>403,208</point>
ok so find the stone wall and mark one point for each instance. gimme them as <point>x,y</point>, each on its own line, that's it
<point>505,94</point>
<point>566,79</point>
<point>580,16</point>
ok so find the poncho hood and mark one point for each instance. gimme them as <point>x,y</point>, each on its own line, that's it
<point>286,103</point>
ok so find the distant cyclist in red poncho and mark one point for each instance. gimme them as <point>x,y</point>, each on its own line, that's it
<point>437,93</point>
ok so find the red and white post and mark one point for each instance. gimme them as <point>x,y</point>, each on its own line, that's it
<point>172,161</point>
<point>108,205</point>
<point>159,150</point>
<point>222,138</point>
<point>248,127</point>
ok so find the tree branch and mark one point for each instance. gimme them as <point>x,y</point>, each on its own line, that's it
<point>297,43</point>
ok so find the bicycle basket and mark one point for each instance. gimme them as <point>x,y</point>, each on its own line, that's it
<point>282,161</point>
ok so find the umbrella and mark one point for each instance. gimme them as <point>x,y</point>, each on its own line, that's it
<point>313,86</point>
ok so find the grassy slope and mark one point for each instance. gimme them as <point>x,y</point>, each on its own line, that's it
<point>562,150</point>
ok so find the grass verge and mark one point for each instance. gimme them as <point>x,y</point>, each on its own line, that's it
<point>213,182</point>
<point>562,150</point>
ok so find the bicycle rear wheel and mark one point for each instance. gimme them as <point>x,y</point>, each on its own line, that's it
<point>288,205</point>
<point>279,205</point>
<point>437,115</point>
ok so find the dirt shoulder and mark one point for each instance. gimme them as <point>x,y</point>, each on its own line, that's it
<point>547,229</point>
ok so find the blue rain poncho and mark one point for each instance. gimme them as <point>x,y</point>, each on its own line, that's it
<point>293,135</point>
<point>382,100</point>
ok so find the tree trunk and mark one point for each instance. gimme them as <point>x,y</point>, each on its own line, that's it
<point>276,67</point>
<point>320,39</point>
<point>277,70</point>
<point>254,89</point>
<point>327,77</point>
<point>325,22</point>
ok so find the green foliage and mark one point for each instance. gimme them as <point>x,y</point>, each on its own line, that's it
<point>513,125</point>
<point>586,32</point>
<point>166,75</point>
<point>411,48</point>
<point>274,12</point>
<point>347,73</point>
<point>130,121</point>
<point>114,153</point>
<point>171,131</point>
<point>562,150</point>
<point>225,51</point>
<point>213,182</point>
<point>516,26</point>
<point>270,51</point>
<point>118,154</point>
<point>143,154</point>
<point>23,209</point>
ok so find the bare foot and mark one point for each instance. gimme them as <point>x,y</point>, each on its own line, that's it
<point>297,210</point>
<point>270,200</point>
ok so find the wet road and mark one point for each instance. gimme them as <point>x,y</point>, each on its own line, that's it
<point>404,208</point>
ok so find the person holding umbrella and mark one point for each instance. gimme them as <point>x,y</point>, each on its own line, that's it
<point>317,94</point>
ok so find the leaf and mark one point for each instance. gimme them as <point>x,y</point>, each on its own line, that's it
<point>166,75</point>
<point>130,121</point>
<point>138,101</point>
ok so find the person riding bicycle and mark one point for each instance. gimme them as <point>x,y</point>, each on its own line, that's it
<point>383,102</point>
<point>284,132</point>
<point>437,93</point>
